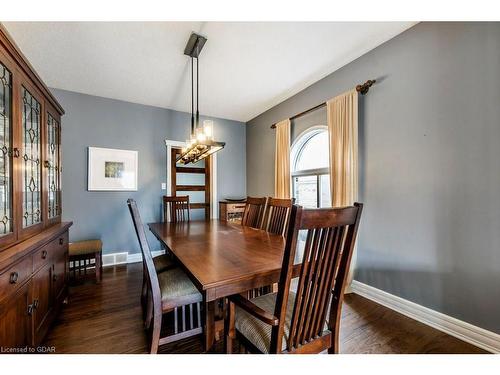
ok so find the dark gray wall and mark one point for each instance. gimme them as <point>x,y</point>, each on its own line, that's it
<point>102,122</point>
<point>429,173</point>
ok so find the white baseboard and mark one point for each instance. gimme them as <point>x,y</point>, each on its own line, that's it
<point>476,336</point>
<point>123,258</point>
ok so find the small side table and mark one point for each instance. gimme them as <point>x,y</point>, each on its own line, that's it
<point>81,255</point>
<point>231,210</point>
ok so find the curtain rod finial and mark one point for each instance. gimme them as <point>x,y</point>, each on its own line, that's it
<point>363,89</point>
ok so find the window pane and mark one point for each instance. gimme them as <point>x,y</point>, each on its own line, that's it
<point>194,196</point>
<point>32,194</point>
<point>314,153</point>
<point>53,168</point>
<point>198,164</point>
<point>5,155</point>
<point>306,191</point>
<point>325,198</point>
<point>190,178</point>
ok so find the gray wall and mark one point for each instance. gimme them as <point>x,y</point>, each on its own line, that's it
<point>102,122</point>
<point>429,173</point>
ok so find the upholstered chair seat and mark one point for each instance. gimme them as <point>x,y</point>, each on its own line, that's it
<point>258,332</point>
<point>163,263</point>
<point>176,286</point>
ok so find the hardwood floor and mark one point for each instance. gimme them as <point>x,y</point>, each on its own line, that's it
<point>107,318</point>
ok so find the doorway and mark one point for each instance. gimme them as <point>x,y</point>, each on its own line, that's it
<point>183,181</point>
<point>192,180</point>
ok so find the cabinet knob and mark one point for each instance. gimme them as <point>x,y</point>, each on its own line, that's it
<point>61,241</point>
<point>14,276</point>
<point>35,304</point>
<point>44,254</point>
<point>54,277</point>
<point>30,309</point>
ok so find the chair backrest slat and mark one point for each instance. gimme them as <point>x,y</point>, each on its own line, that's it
<point>277,215</point>
<point>176,208</point>
<point>325,288</point>
<point>149,268</point>
<point>316,276</point>
<point>254,212</point>
<point>329,242</point>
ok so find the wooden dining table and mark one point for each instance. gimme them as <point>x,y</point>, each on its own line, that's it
<point>221,259</point>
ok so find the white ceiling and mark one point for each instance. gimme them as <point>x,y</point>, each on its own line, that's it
<point>245,68</point>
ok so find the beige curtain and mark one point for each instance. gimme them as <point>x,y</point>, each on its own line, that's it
<point>282,160</point>
<point>342,112</point>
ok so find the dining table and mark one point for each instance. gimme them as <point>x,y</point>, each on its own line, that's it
<point>221,259</point>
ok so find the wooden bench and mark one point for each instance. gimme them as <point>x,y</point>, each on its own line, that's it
<point>83,256</point>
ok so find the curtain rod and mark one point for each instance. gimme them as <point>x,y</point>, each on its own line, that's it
<point>362,89</point>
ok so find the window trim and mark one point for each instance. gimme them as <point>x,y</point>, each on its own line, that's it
<point>296,150</point>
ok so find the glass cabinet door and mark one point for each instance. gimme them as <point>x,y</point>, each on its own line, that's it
<point>6,191</point>
<point>31,160</point>
<point>52,163</point>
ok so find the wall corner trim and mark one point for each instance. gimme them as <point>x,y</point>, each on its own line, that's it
<point>467,332</point>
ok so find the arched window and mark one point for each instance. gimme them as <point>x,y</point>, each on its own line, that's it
<point>310,171</point>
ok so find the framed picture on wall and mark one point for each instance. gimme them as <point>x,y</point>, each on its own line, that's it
<point>112,170</point>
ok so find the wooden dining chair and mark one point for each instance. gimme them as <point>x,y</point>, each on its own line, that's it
<point>254,212</point>
<point>168,291</point>
<point>275,220</point>
<point>277,214</point>
<point>176,208</point>
<point>308,320</point>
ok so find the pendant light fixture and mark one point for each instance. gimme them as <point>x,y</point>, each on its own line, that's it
<point>201,143</point>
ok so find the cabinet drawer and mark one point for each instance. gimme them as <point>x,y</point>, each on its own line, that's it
<point>42,256</point>
<point>50,251</point>
<point>14,276</point>
<point>236,207</point>
<point>60,244</point>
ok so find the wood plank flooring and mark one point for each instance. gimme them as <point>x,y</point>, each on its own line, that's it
<point>107,318</point>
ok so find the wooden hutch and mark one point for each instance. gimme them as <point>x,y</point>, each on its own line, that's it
<point>33,240</point>
<point>231,210</point>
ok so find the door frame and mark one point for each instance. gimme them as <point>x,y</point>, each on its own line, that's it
<point>214,209</point>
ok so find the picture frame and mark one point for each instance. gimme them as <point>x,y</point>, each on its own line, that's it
<point>112,169</point>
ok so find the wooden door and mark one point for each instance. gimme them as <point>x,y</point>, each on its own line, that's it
<point>15,319</point>
<point>52,166</point>
<point>8,226</point>
<point>29,139</point>
<point>42,302</point>
<point>192,180</point>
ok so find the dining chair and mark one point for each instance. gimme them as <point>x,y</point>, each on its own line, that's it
<point>168,291</point>
<point>254,212</point>
<point>176,208</point>
<point>308,320</point>
<point>277,215</point>
<point>275,220</point>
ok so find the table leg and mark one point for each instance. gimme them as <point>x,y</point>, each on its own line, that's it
<point>209,325</point>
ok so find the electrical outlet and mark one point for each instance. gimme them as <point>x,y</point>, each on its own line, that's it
<point>163,186</point>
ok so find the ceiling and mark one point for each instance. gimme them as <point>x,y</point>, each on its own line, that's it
<point>245,68</point>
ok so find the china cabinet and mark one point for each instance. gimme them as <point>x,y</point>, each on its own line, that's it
<point>33,240</point>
